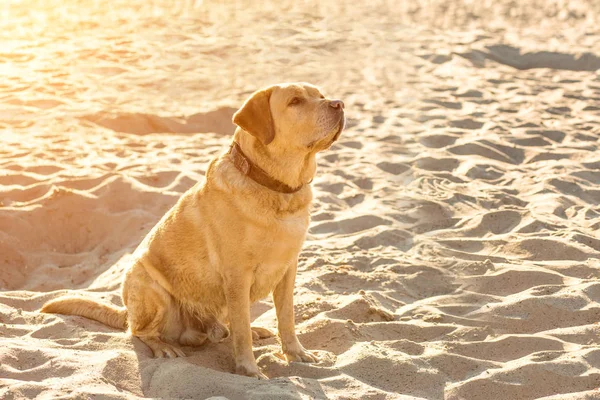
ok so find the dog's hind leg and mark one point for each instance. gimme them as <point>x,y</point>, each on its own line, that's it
<point>193,330</point>
<point>150,315</point>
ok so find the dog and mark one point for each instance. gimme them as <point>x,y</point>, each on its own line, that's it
<point>232,239</point>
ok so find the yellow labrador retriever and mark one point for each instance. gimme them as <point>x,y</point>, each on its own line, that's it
<point>233,239</point>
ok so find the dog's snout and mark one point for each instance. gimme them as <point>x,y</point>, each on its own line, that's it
<point>336,104</point>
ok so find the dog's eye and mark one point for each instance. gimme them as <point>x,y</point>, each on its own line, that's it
<point>294,101</point>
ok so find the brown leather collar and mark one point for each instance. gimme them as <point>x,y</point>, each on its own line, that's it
<point>254,172</point>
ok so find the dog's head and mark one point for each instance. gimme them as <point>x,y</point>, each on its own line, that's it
<point>293,114</point>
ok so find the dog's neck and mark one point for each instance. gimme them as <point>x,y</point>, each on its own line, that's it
<point>294,169</point>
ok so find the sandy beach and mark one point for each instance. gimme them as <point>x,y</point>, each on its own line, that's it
<point>454,248</point>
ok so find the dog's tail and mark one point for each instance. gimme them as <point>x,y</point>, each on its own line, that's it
<point>108,314</point>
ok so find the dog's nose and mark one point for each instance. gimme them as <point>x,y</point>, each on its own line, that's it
<point>336,104</point>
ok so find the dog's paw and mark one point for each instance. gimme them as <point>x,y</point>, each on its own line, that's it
<point>261,333</point>
<point>161,349</point>
<point>166,350</point>
<point>300,354</point>
<point>250,370</point>
<point>217,332</point>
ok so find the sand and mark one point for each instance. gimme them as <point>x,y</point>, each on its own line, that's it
<point>454,250</point>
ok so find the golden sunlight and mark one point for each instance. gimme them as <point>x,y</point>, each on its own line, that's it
<point>426,212</point>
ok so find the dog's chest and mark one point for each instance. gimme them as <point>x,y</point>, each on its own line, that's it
<point>274,253</point>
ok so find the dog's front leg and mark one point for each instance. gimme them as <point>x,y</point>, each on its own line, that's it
<point>238,304</point>
<point>283,296</point>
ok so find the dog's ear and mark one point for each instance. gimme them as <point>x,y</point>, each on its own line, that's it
<point>255,116</point>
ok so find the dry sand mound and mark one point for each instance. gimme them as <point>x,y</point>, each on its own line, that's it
<point>454,247</point>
